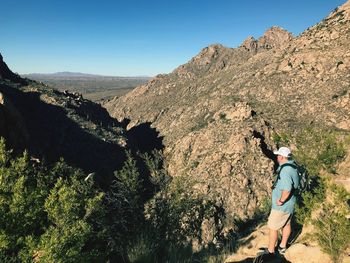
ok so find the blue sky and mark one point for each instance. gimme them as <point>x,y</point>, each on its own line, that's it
<point>137,37</point>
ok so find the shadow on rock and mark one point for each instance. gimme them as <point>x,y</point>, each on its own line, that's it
<point>62,131</point>
<point>145,138</point>
<point>265,149</point>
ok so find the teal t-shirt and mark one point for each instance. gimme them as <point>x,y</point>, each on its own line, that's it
<point>289,180</point>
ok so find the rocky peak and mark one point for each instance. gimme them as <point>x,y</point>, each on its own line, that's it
<point>208,54</point>
<point>213,58</point>
<point>274,37</point>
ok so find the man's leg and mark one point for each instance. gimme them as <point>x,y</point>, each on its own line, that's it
<point>273,236</point>
<point>287,229</point>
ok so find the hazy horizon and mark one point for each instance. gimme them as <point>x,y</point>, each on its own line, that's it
<point>77,74</point>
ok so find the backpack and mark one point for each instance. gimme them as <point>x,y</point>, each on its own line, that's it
<point>304,180</point>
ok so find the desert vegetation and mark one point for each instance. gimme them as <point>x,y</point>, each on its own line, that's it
<point>57,213</point>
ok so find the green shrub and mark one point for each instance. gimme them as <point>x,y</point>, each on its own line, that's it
<point>158,174</point>
<point>56,214</point>
<point>332,226</point>
<point>310,201</point>
<point>222,116</point>
<point>175,215</point>
<point>123,210</point>
<point>45,214</point>
<point>280,139</point>
<point>317,149</point>
<point>265,208</point>
<point>128,182</point>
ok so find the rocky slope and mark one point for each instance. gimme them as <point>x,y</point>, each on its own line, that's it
<point>217,112</point>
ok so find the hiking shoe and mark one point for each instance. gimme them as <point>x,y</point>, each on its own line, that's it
<point>282,250</point>
<point>265,252</point>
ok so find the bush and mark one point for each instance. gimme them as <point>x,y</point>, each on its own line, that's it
<point>57,214</point>
<point>174,217</point>
<point>123,216</point>
<point>310,201</point>
<point>316,149</point>
<point>45,214</point>
<point>158,174</point>
<point>332,226</point>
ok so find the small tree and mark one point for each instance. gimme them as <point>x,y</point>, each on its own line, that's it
<point>332,226</point>
<point>124,209</point>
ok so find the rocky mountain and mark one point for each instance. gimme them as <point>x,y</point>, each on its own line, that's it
<point>218,112</point>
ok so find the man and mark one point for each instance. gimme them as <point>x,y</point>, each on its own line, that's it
<point>283,201</point>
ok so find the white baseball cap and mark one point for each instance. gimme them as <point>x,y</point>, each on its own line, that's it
<point>283,151</point>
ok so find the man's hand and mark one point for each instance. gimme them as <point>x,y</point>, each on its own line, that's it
<point>279,202</point>
<point>284,197</point>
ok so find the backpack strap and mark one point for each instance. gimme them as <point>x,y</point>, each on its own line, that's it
<point>287,164</point>
<point>280,170</point>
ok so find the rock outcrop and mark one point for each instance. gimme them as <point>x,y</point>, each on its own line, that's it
<point>250,44</point>
<point>273,38</point>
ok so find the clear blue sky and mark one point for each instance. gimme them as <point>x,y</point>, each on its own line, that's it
<point>137,37</point>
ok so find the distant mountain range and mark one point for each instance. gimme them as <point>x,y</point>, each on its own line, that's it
<point>68,74</point>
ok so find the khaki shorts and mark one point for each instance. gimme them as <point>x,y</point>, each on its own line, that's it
<point>278,219</point>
